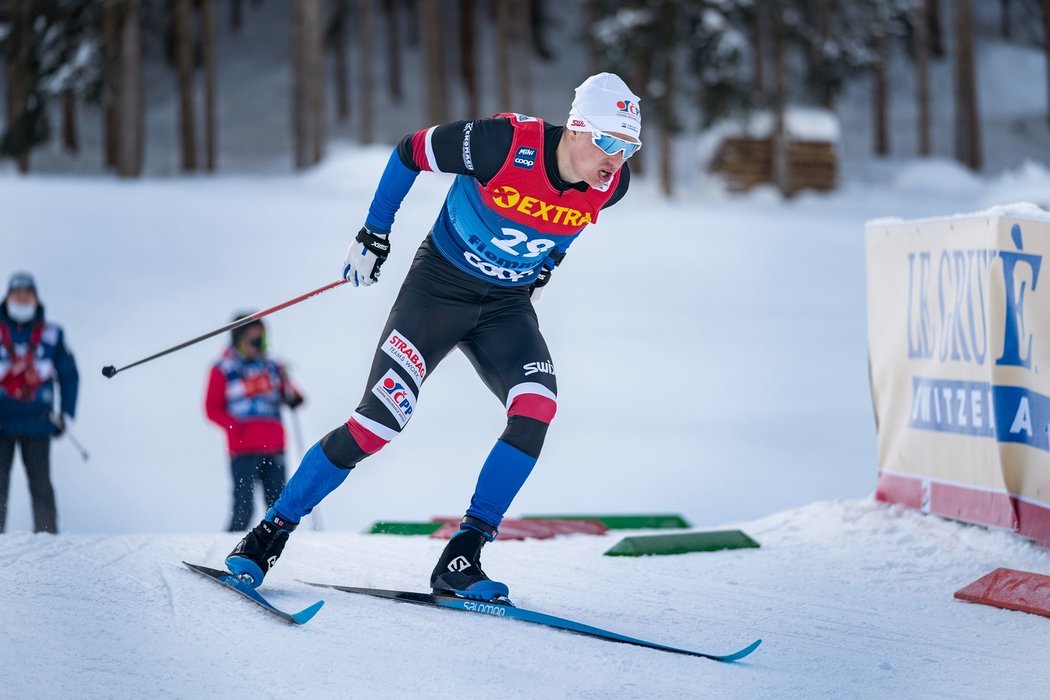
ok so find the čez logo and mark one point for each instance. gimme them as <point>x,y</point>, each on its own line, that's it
<point>525,158</point>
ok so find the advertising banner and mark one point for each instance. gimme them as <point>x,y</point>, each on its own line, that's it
<point>959,353</point>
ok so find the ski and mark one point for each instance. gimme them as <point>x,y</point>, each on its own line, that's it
<point>508,610</point>
<point>225,578</point>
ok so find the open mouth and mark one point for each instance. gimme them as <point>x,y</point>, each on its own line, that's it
<point>605,175</point>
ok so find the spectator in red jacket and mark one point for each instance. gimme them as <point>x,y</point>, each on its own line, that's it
<point>245,392</point>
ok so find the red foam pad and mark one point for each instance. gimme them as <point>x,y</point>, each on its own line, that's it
<point>511,529</point>
<point>1011,589</point>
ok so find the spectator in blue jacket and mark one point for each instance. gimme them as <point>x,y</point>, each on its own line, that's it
<point>33,359</point>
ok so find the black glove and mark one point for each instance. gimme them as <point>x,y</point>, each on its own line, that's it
<point>544,275</point>
<point>60,424</point>
<point>293,401</point>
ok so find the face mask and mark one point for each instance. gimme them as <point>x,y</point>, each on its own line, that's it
<point>21,312</point>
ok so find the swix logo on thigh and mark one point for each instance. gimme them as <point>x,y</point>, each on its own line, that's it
<point>405,354</point>
<point>397,397</point>
<point>500,273</point>
<point>534,367</point>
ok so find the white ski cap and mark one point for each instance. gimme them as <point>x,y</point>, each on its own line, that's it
<point>604,102</point>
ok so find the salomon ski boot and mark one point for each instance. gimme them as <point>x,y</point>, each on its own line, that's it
<point>458,571</point>
<point>258,551</point>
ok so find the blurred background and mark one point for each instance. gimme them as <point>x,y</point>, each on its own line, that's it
<point>151,87</point>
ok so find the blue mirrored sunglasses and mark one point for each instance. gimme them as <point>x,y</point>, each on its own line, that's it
<point>612,145</point>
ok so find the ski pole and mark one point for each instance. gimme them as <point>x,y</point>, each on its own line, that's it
<point>75,443</point>
<point>110,370</point>
<point>59,422</point>
<point>297,431</point>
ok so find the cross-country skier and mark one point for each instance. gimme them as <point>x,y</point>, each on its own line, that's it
<point>524,190</point>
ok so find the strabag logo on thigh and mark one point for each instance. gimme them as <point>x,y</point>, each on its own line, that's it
<point>399,399</point>
<point>405,354</point>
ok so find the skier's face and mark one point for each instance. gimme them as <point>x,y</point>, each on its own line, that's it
<point>588,163</point>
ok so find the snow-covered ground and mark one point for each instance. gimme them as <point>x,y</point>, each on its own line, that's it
<point>850,598</point>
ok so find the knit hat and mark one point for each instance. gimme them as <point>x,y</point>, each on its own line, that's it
<point>236,333</point>
<point>21,280</point>
<point>604,102</point>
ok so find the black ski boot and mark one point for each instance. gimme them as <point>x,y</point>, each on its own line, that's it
<point>258,551</point>
<point>458,571</point>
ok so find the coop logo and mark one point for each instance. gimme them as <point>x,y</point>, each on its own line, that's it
<point>506,197</point>
<point>501,273</point>
<point>405,354</point>
<point>397,397</point>
<point>630,108</point>
<point>525,158</point>
<point>948,311</point>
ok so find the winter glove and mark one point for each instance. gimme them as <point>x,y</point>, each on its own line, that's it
<point>60,422</point>
<point>544,275</point>
<point>365,256</point>
<point>293,401</point>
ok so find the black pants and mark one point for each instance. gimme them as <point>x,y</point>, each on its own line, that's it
<point>437,310</point>
<point>36,456</point>
<point>268,469</point>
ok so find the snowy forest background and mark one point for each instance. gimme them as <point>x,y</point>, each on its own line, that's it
<point>91,75</point>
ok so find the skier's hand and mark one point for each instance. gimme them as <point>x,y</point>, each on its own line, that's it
<point>542,279</point>
<point>293,400</point>
<point>365,256</point>
<point>544,276</point>
<point>60,423</point>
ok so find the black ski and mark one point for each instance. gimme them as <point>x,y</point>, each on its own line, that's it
<point>500,609</point>
<point>228,580</point>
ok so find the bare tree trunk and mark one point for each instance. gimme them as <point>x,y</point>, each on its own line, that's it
<point>432,36</point>
<point>69,123</point>
<point>110,81</point>
<point>236,15</point>
<point>524,55</point>
<point>880,98</point>
<point>184,68</point>
<point>299,87</point>
<point>315,74</point>
<point>129,99</point>
<point>211,126</point>
<point>393,49</point>
<point>467,55</point>
<point>18,67</point>
<point>365,27</point>
<point>666,110</point>
<point>922,76</point>
<point>967,124</point>
<point>341,11</point>
<point>758,57</point>
<point>594,54</point>
<point>934,26</point>
<point>503,43</point>
<point>823,28</point>
<point>308,82</point>
<point>781,166</point>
